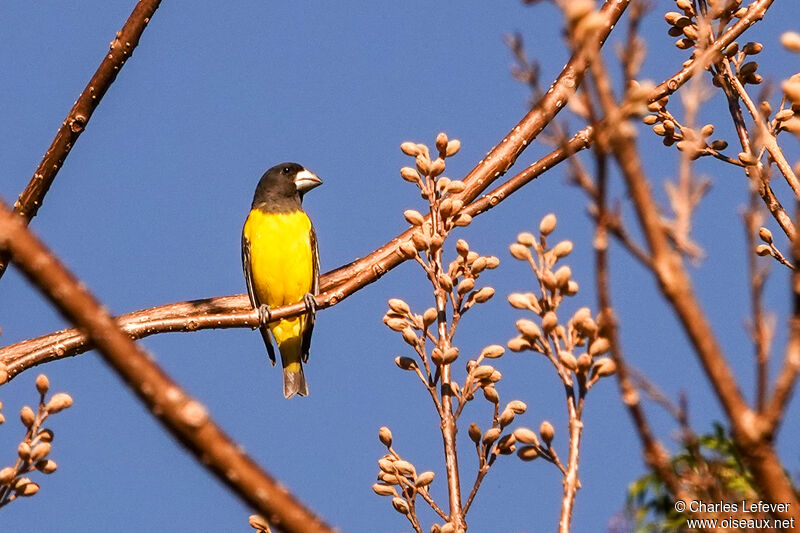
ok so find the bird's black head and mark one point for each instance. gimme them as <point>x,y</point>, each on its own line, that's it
<point>282,187</point>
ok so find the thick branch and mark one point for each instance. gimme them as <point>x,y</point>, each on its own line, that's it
<point>121,49</point>
<point>185,418</point>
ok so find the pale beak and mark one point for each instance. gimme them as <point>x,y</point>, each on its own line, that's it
<point>305,180</point>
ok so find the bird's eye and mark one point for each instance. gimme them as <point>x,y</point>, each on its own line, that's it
<point>285,170</point>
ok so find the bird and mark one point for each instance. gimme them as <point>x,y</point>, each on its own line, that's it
<point>280,259</point>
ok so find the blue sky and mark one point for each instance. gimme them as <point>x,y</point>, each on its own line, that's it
<point>149,207</point>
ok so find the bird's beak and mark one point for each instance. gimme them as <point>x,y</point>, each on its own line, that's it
<point>306,180</point>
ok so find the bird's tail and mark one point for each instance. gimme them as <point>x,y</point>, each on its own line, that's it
<point>294,381</point>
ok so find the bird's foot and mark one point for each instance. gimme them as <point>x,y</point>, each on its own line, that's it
<point>264,315</point>
<point>311,303</point>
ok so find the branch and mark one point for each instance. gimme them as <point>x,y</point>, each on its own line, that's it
<point>78,117</point>
<point>185,418</point>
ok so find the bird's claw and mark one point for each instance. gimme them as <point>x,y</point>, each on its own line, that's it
<point>311,302</point>
<point>264,315</point>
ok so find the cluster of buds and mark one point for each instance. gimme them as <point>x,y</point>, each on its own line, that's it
<point>687,27</point>
<point>739,58</point>
<point>492,442</point>
<point>694,143</point>
<point>441,192</point>
<point>549,337</point>
<point>399,479</point>
<point>768,248</point>
<point>33,452</point>
<point>458,285</point>
<point>533,446</point>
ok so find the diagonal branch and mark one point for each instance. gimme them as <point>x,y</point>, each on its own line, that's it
<point>185,418</point>
<point>78,117</point>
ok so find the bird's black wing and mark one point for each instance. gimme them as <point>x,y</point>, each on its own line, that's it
<point>309,321</point>
<point>248,276</point>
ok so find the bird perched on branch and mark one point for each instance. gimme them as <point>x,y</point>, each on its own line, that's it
<point>281,266</point>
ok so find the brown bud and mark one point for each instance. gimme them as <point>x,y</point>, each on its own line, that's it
<point>474,433</point>
<point>791,41</point>
<point>441,142</point>
<point>436,356</point>
<point>410,174</point>
<point>719,144</point>
<point>549,321</point>
<point>747,158</point>
<point>385,436</point>
<point>405,363</point>
<point>407,250</point>
<point>784,114</point>
<point>604,367</point>
<point>484,295</point>
<point>446,282</point>
<point>584,362</point>
<point>562,249</point>
<point>455,187</point>
<point>518,300</point>
<point>493,351</point>
<point>384,490</point>
<point>27,416</point>
<point>478,266</point>
<point>449,355</point>
<point>791,88</point>
<point>526,239</point>
<point>462,219</point>
<point>46,466</point>
<point>462,247</point>
<point>46,435</point>
<point>547,432</point>
<point>400,505</point>
<point>765,235</point>
<point>386,464</point>
<point>42,384</point>
<point>28,489</point>
<point>424,479</point>
<point>465,286</point>
<point>492,262</point>
<point>429,316</point>
<point>518,344</point>
<point>526,436</point>
<point>548,224</point>
<point>453,147</point>
<point>650,119</point>
<point>563,276</point>
<point>568,360</point>
<point>483,372</point>
<point>41,451</point>
<point>24,451</point>
<point>6,475</point>
<point>684,44</point>
<point>409,336</point>
<point>396,324</point>
<point>491,435</point>
<point>506,417</point>
<point>423,164</point>
<point>528,453</point>
<point>413,217</point>
<point>410,148</point>
<point>529,329</point>
<point>490,393</point>
<point>517,406</point>
<point>520,252</point>
<point>600,346</point>
<point>506,445</point>
<point>752,49</point>
<point>763,249</point>
<point>405,468</point>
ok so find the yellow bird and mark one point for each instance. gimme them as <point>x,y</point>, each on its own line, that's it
<point>281,266</point>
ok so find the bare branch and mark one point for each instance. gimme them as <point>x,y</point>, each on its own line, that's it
<point>78,117</point>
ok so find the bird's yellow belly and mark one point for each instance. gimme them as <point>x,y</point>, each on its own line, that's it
<point>281,258</point>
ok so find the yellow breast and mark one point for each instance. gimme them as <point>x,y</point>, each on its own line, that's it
<point>281,258</point>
